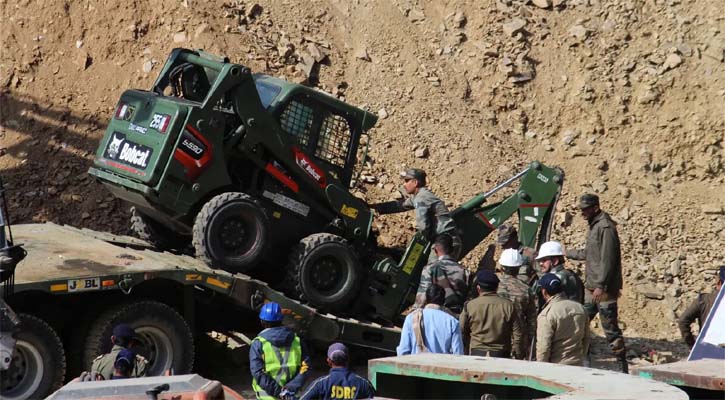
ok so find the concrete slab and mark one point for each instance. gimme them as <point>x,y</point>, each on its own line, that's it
<point>428,375</point>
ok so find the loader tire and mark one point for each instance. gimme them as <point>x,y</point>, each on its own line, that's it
<point>38,366</point>
<point>156,234</point>
<point>231,232</point>
<point>325,272</point>
<point>162,336</point>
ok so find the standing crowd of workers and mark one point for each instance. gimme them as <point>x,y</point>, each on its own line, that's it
<point>537,309</point>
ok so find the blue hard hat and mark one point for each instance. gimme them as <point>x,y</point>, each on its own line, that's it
<point>271,312</point>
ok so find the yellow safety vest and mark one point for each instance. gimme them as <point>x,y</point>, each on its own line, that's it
<point>281,364</point>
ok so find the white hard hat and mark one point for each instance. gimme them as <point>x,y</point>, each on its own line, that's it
<point>550,249</point>
<point>511,258</point>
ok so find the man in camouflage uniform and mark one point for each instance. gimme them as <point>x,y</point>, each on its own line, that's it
<point>603,273</point>
<point>551,259</point>
<point>446,273</point>
<point>508,238</point>
<point>122,338</point>
<point>520,294</point>
<point>432,217</point>
<point>699,310</point>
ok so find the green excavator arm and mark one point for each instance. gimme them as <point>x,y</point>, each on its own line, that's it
<point>534,203</point>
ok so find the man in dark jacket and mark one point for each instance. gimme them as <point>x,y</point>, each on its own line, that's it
<point>699,310</point>
<point>277,359</point>
<point>603,273</point>
<point>341,382</point>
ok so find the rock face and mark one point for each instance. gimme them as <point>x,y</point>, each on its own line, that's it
<point>626,97</point>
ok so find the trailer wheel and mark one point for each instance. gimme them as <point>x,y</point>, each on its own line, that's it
<point>152,231</point>
<point>38,366</point>
<point>325,272</point>
<point>163,337</point>
<point>230,232</point>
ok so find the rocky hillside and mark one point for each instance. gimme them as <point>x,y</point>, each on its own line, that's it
<point>626,96</point>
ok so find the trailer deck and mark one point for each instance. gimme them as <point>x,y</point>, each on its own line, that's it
<point>63,260</point>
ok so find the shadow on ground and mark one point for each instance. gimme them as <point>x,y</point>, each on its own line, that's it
<point>45,152</point>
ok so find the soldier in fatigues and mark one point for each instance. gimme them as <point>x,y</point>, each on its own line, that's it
<point>432,217</point>
<point>603,273</point>
<point>508,238</point>
<point>699,310</point>
<point>446,273</point>
<point>520,294</point>
<point>122,338</point>
<point>551,259</point>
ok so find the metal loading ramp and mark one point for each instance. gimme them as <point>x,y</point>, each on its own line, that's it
<point>429,376</point>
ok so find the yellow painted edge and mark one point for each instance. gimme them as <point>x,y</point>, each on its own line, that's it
<point>59,287</point>
<point>193,277</point>
<point>217,282</point>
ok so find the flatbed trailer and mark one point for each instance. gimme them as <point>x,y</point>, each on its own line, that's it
<point>81,282</point>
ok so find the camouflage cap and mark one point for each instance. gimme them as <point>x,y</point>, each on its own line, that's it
<point>587,200</point>
<point>505,232</point>
<point>414,173</point>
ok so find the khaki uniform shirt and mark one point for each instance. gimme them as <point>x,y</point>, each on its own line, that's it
<point>103,364</point>
<point>562,332</point>
<point>490,323</point>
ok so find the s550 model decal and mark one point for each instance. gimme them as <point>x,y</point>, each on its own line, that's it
<point>127,152</point>
<point>193,152</point>
<point>192,146</point>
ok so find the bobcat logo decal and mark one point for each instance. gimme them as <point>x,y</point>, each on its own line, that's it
<point>114,146</point>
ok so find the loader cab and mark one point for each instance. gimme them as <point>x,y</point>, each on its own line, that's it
<point>322,126</point>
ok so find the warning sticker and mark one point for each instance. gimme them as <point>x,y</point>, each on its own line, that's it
<point>288,203</point>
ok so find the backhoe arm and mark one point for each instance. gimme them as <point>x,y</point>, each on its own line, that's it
<point>534,202</point>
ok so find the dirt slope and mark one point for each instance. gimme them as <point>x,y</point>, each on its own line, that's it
<point>626,96</point>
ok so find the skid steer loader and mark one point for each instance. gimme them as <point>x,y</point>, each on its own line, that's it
<point>253,170</point>
<point>241,165</point>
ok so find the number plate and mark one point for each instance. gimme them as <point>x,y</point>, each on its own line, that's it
<point>79,285</point>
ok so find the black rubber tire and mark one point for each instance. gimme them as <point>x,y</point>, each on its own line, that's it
<point>164,337</point>
<point>38,367</point>
<point>156,234</point>
<point>216,226</point>
<point>340,270</point>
